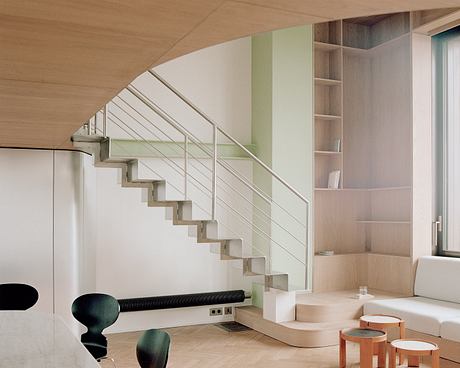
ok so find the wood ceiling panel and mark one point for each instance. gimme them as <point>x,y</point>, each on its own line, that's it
<point>61,60</point>
<point>57,53</point>
<point>340,9</point>
<point>42,113</point>
<point>137,18</point>
<point>252,19</point>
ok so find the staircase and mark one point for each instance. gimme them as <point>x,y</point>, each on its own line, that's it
<point>207,231</point>
<point>129,113</point>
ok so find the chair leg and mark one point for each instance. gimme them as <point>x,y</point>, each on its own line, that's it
<point>435,359</point>
<point>413,361</point>
<point>392,357</point>
<point>402,335</point>
<point>382,354</point>
<point>343,353</point>
<point>366,354</point>
<point>108,358</point>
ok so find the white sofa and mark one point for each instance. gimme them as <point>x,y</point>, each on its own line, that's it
<point>435,310</point>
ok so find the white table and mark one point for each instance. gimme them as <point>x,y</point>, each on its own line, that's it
<point>39,340</point>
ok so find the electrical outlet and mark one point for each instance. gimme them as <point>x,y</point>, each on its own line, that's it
<point>228,310</point>
<point>215,311</point>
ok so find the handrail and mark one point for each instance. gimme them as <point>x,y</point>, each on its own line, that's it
<point>186,156</point>
<point>173,123</point>
<point>210,121</point>
<point>260,231</point>
<point>212,153</point>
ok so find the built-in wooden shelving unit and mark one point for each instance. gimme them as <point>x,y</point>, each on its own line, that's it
<point>363,98</point>
<point>328,101</point>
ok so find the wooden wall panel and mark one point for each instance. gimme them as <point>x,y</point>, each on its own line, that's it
<point>394,239</point>
<point>390,273</point>
<point>341,272</point>
<point>392,115</point>
<point>335,220</point>
<point>357,121</point>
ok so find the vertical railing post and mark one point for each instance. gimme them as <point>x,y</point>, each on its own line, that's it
<point>104,121</point>
<point>214,172</point>
<point>93,127</point>
<point>185,166</point>
<point>307,250</point>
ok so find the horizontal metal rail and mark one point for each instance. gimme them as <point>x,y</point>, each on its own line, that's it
<point>228,136</point>
<point>169,119</point>
<point>265,217</point>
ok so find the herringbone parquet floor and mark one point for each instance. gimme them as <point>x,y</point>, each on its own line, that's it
<point>208,346</point>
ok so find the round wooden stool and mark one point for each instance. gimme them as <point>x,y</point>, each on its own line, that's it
<point>366,339</point>
<point>384,322</point>
<point>414,349</point>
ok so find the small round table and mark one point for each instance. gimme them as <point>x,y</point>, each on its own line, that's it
<point>414,349</point>
<point>366,339</point>
<point>384,322</point>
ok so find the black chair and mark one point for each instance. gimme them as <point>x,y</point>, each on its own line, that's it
<point>96,312</point>
<point>153,349</point>
<point>17,296</point>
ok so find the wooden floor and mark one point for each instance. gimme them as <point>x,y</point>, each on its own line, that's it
<point>209,346</point>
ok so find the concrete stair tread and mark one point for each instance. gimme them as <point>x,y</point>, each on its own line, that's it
<point>155,195</point>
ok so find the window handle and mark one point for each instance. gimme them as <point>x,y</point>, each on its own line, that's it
<point>436,228</point>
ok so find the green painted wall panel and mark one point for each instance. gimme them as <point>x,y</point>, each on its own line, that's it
<point>282,131</point>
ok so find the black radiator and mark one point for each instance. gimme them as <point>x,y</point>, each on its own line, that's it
<point>181,301</point>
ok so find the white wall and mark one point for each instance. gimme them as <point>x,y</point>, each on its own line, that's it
<point>139,253</point>
<point>42,207</point>
<point>216,79</point>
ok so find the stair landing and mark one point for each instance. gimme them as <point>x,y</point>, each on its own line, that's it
<point>334,306</point>
<point>294,333</point>
<point>319,318</point>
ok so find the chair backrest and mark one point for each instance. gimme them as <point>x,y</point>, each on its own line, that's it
<point>153,349</point>
<point>17,296</point>
<point>96,312</point>
<point>437,278</point>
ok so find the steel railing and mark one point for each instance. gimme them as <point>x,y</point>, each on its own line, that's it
<point>110,115</point>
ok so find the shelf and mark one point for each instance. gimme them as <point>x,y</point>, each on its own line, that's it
<point>328,189</point>
<point>327,117</point>
<point>389,188</point>
<point>355,51</point>
<point>370,189</point>
<point>383,222</point>
<point>361,253</point>
<point>327,153</point>
<point>327,82</point>
<point>367,52</point>
<point>326,46</point>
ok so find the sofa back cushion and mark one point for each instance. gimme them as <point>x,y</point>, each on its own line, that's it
<point>438,278</point>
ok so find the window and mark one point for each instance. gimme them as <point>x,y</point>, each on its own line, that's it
<point>446,47</point>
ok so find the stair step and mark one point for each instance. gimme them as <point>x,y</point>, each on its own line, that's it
<point>154,193</point>
<point>254,265</point>
<point>295,333</point>
<point>335,305</point>
<point>277,281</point>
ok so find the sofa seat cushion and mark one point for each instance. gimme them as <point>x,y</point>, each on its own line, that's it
<point>450,329</point>
<point>421,314</point>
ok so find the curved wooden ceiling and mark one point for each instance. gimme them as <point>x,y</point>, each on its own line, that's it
<point>61,60</point>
